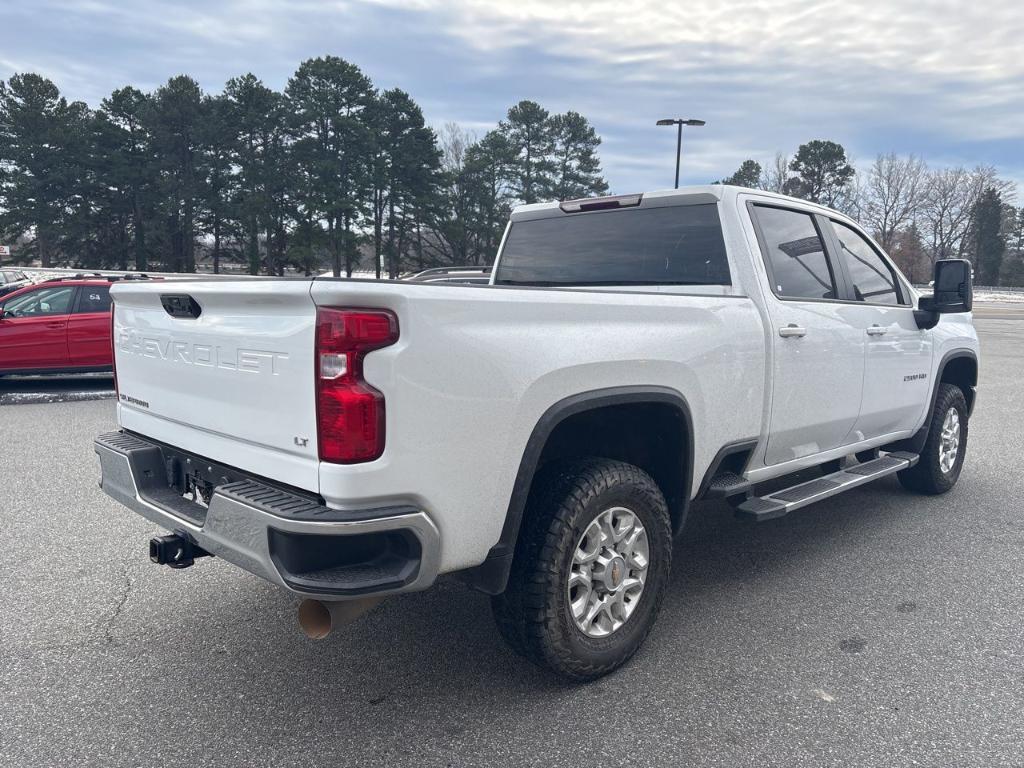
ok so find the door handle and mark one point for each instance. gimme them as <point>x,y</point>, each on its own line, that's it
<point>55,325</point>
<point>792,330</point>
<point>876,330</point>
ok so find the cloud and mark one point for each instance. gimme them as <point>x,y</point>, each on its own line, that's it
<point>922,36</point>
<point>939,78</point>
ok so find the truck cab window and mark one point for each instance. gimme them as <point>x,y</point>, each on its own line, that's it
<point>798,265</point>
<point>873,280</point>
<point>673,245</point>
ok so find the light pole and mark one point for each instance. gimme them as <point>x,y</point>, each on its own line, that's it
<point>679,137</point>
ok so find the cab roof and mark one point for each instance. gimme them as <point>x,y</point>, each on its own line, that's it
<point>659,198</point>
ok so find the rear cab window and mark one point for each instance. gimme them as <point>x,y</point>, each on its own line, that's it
<point>670,245</point>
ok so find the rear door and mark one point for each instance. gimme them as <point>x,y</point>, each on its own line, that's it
<point>34,328</point>
<point>818,360</point>
<point>898,354</point>
<point>89,327</point>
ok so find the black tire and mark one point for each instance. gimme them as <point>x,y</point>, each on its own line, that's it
<point>534,614</point>
<point>927,475</point>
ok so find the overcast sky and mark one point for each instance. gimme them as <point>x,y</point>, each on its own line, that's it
<point>942,79</point>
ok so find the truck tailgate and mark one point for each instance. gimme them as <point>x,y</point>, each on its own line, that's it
<point>223,369</point>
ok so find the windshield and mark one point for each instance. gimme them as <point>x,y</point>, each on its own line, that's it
<point>676,245</point>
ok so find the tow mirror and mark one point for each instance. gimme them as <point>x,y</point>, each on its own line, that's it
<point>954,292</point>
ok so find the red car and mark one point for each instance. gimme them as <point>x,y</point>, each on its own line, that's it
<point>59,326</point>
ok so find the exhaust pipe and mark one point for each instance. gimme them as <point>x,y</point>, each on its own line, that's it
<point>317,617</point>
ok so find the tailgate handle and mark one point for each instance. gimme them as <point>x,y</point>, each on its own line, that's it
<point>180,305</point>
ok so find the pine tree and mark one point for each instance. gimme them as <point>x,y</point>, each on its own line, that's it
<point>577,167</point>
<point>987,243</point>
<point>327,99</point>
<point>405,175</point>
<point>1012,272</point>
<point>43,151</point>
<point>528,130</point>
<point>491,175</point>
<point>175,121</point>
<point>747,175</point>
<point>124,164</point>
<point>822,170</point>
<point>218,136</point>
<point>256,114</point>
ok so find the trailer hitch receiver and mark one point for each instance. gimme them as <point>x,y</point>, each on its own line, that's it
<point>175,551</point>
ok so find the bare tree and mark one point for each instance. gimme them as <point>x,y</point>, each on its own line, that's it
<point>776,174</point>
<point>894,192</point>
<point>946,210</point>
<point>853,197</point>
<point>446,238</point>
<point>454,141</point>
<point>949,198</point>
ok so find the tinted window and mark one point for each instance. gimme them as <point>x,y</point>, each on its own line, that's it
<point>679,245</point>
<point>94,298</point>
<point>45,301</point>
<point>799,267</point>
<point>873,280</point>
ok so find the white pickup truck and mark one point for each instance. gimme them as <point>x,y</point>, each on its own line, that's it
<point>541,436</point>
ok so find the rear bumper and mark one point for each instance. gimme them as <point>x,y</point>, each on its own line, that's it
<point>290,539</point>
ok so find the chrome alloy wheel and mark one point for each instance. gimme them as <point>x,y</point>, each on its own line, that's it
<point>949,442</point>
<point>609,569</point>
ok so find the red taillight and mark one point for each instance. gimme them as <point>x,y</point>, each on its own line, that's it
<point>350,413</point>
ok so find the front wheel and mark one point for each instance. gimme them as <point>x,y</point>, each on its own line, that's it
<point>942,458</point>
<point>590,570</point>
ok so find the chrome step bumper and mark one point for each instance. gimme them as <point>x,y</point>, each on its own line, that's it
<point>784,501</point>
<point>286,538</point>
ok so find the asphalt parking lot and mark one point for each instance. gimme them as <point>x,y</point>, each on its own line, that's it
<point>878,628</point>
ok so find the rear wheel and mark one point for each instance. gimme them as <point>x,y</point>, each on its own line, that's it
<point>942,458</point>
<point>590,569</point>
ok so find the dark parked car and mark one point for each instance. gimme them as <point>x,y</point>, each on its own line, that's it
<point>11,280</point>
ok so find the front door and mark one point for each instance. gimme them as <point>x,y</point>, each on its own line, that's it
<point>34,329</point>
<point>898,354</point>
<point>818,368</point>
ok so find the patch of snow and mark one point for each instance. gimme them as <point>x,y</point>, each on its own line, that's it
<point>29,398</point>
<point>1006,297</point>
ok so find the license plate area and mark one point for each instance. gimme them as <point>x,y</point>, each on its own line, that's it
<point>194,479</point>
<point>189,482</point>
